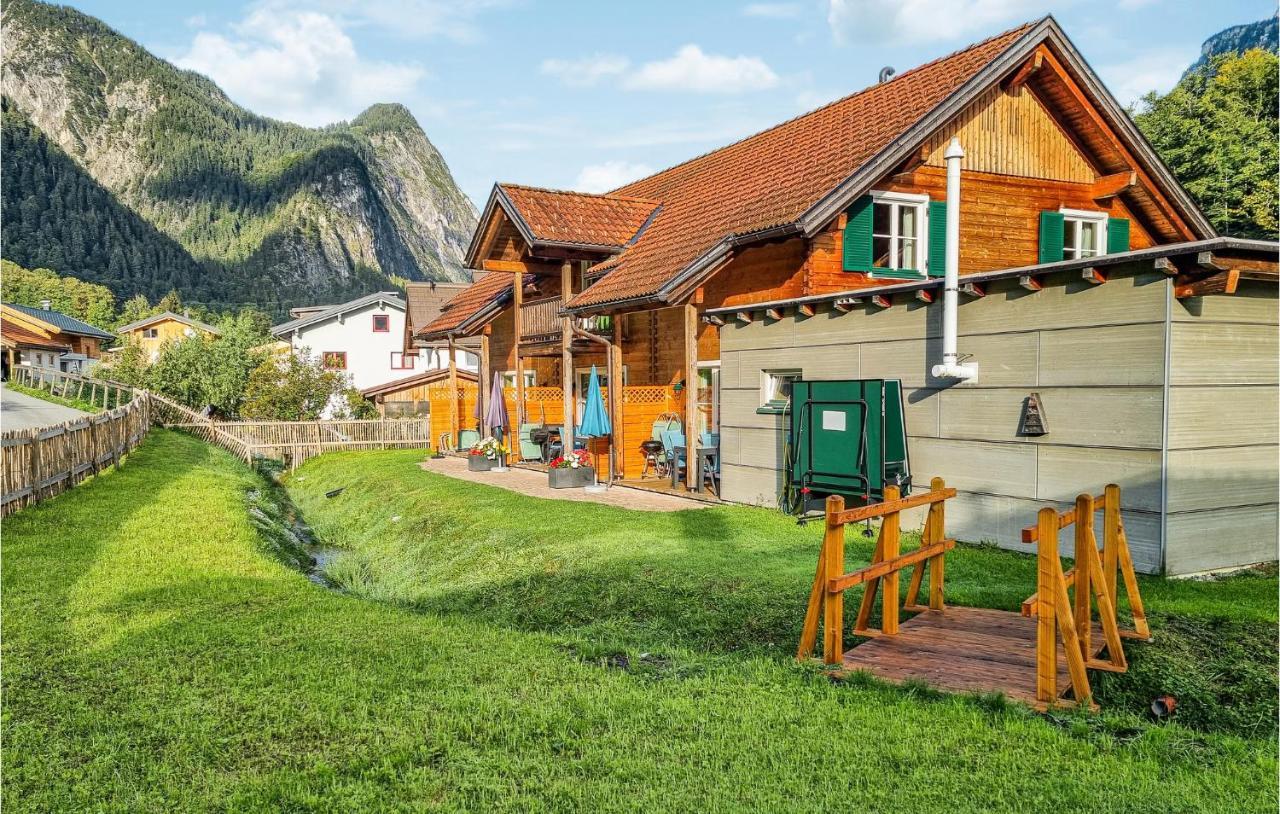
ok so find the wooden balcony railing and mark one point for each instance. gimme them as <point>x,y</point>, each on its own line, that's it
<point>540,320</point>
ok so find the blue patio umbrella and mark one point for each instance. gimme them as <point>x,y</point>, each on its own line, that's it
<point>595,418</point>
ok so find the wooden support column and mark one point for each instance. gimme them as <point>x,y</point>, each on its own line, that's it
<point>453,394</point>
<point>485,373</point>
<point>833,605</point>
<point>690,393</point>
<point>1046,577</point>
<point>518,300</point>
<point>566,355</point>
<point>889,530</point>
<point>1083,599</point>
<point>616,390</point>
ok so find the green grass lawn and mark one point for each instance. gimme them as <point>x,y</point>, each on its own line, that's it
<point>158,655</point>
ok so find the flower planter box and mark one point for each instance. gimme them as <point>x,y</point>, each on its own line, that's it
<point>570,478</point>
<point>479,463</point>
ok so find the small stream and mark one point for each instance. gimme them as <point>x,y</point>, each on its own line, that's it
<point>322,556</point>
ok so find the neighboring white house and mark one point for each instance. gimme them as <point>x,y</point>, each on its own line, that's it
<point>364,337</point>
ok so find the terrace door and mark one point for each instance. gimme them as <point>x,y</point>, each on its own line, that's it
<point>709,397</point>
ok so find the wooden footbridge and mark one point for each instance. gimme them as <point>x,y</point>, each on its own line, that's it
<point>1072,613</point>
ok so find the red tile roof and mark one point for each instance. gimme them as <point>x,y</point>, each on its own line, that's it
<point>487,288</point>
<point>772,178</point>
<point>558,216</point>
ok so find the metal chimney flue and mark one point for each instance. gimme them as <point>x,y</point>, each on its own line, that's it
<point>46,305</point>
<point>886,73</point>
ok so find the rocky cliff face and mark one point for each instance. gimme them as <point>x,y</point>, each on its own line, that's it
<point>272,212</point>
<point>1264,34</point>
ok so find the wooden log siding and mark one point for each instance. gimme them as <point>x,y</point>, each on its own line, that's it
<point>39,463</point>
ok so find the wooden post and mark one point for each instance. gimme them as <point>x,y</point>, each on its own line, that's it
<point>1083,599</point>
<point>890,527</point>
<point>937,564</point>
<point>1111,538</point>
<point>518,320</point>
<point>690,393</point>
<point>453,396</point>
<point>617,391</point>
<point>833,609</point>
<point>1046,638</point>
<point>485,371</point>
<point>566,356</point>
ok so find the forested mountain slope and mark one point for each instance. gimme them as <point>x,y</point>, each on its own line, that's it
<point>144,177</point>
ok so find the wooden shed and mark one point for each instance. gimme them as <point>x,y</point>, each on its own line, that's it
<point>411,396</point>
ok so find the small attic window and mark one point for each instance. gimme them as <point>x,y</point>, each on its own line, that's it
<point>381,323</point>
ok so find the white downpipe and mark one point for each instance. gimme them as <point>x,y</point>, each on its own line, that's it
<point>951,368</point>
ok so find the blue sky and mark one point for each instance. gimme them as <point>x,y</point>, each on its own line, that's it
<point>589,95</point>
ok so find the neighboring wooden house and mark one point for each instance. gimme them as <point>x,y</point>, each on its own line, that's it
<point>412,396</point>
<point>424,302</point>
<point>151,333</point>
<point>42,337</point>
<point>818,249</point>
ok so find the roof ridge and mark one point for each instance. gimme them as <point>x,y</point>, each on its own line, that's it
<point>608,196</point>
<point>916,69</point>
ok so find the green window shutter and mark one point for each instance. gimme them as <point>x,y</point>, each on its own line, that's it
<point>1051,227</point>
<point>937,238</point>
<point>1117,235</point>
<point>857,236</point>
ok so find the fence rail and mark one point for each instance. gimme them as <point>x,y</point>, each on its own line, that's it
<point>291,442</point>
<point>41,462</point>
<point>101,393</point>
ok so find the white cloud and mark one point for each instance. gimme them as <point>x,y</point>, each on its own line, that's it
<point>609,175</point>
<point>1157,70</point>
<point>920,21</point>
<point>692,69</point>
<point>197,21</point>
<point>297,66</point>
<point>586,71</point>
<point>451,19</point>
<point>773,11</point>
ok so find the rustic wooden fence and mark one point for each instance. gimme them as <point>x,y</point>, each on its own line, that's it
<point>98,392</point>
<point>291,442</point>
<point>41,462</point>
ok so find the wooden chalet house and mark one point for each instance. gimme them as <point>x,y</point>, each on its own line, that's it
<point>783,254</point>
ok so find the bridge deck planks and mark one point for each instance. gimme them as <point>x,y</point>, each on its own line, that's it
<point>960,650</point>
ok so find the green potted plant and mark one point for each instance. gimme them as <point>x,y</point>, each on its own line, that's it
<point>485,455</point>
<point>572,470</point>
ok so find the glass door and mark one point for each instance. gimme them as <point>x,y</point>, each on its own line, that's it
<point>709,397</point>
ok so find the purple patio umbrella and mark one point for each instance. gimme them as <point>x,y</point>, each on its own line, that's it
<point>495,417</point>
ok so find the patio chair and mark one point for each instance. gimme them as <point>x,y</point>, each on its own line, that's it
<point>667,422</point>
<point>529,451</point>
<point>467,439</point>
<point>711,440</point>
<point>674,448</point>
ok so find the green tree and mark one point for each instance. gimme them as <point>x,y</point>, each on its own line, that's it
<point>1217,131</point>
<point>134,309</point>
<point>128,365</point>
<point>290,388</point>
<point>202,371</point>
<point>91,303</point>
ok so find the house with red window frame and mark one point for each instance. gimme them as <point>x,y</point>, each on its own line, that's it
<point>364,338</point>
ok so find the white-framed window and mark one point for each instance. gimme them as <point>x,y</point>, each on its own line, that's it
<point>150,333</point>
<point>1084,234</point>
<point>709,396</point>
<point>899,233</point>
<point>775,389</point>
<point>509,378</point>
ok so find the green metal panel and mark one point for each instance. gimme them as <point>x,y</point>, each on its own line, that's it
<point>857,235</point>
<point>937,238</point>
<point>847,438</point>
<point>1051,234</point>
<point>1117,235</point>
